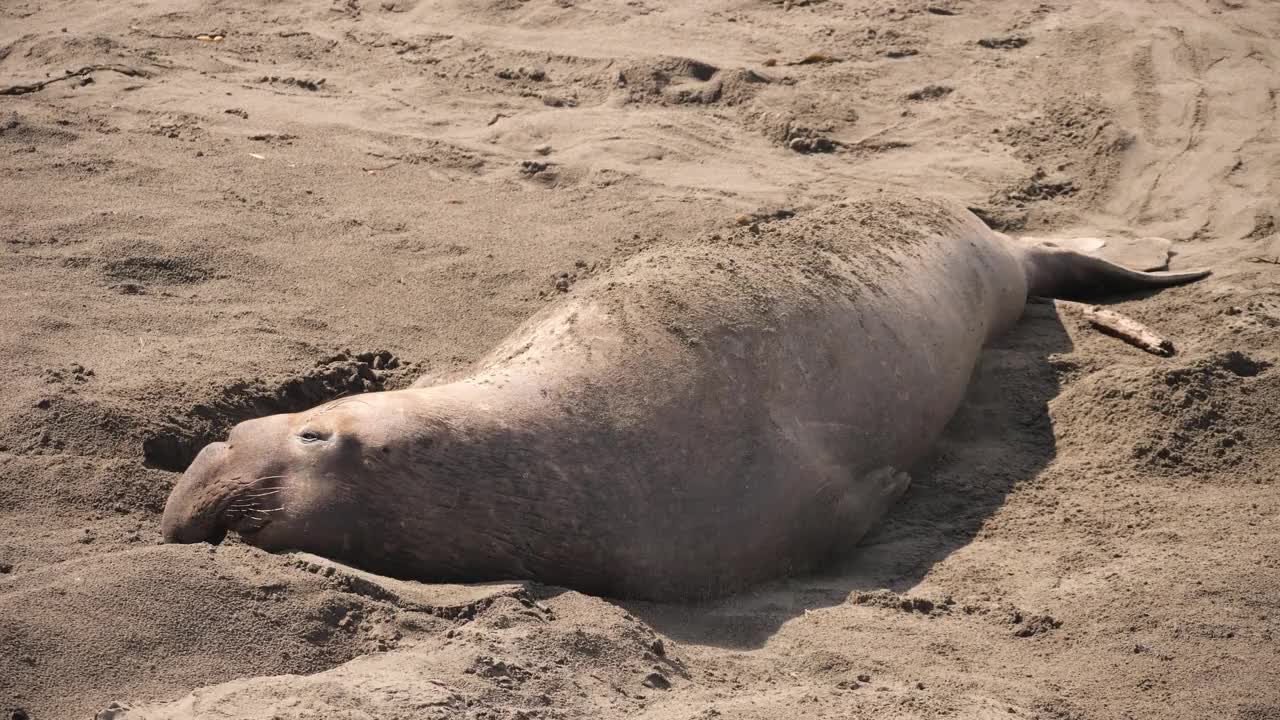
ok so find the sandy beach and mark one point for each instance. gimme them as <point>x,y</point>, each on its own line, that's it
<point>215,211</point>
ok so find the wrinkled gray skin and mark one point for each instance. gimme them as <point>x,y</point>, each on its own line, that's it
<point>694,420</point>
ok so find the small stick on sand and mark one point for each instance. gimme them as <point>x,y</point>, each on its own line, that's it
<point>1127,329</point>
<point>42,84</point>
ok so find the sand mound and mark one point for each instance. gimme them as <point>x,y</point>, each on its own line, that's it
<point>174,616</point>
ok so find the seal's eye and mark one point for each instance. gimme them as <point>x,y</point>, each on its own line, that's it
<point>310,436</point>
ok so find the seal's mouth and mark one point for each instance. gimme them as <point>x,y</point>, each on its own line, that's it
<point>245,528</point>
<point>250,510</point>
<point>217,535</point>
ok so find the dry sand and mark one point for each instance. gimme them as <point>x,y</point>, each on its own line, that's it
<point>201,241</point>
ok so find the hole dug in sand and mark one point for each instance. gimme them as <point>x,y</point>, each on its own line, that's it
<point>176,445</point>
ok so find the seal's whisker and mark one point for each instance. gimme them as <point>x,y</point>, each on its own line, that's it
<point>250,511</point>
<point>259,493</point>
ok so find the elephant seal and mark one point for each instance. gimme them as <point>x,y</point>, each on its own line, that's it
<point>699,417</point>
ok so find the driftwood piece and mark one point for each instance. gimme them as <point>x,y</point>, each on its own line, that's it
<point>87,70</point>
<point>1127,329</point>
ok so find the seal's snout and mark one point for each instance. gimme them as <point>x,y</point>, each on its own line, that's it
<point>191,514</point>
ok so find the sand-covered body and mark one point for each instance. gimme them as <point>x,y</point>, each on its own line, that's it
<point>697,418</point>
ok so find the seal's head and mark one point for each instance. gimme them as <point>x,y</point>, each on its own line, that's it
<point>284,481</point>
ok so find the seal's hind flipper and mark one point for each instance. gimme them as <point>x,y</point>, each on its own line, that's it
<point>1059,273</point>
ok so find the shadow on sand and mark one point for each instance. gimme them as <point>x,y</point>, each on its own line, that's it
<point>1000,436</point>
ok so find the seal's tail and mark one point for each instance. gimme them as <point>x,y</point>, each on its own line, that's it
<point>1055,272</point>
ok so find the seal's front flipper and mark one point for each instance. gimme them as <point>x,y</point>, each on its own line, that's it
<point>1057,272</point>
<point>867,500</point>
